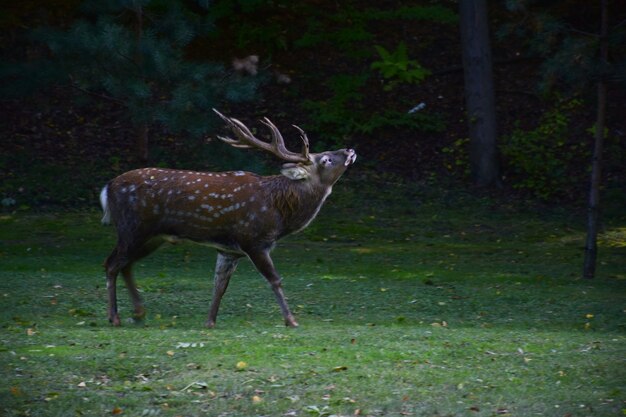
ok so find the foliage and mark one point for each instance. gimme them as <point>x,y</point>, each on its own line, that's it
<point>253,24</point>
<point>403,310</point>
<point>397,68</point>
<point>343,114</point>
<point>456,157</point>
<point>544,160</point>
<point>569,54</point>
<point>348,37</point>
<point>133,53</point>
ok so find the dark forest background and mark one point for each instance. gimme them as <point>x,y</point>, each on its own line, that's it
<point>91,89</point>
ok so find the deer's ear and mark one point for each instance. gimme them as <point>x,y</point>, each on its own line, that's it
<point>294,172</point>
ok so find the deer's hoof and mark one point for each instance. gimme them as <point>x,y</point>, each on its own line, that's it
<point>115,320</point>
<point>210,324</point>
<point>140,314</point>
<point>291,322</point>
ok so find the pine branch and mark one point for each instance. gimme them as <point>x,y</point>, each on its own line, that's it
<point>94,94</point>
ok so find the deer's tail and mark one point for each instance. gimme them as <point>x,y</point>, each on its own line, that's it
<point>104,201</point>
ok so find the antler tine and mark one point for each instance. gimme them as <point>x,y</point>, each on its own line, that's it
<point>278,143</point>
<point>245,138</point>
<point>305,142</point>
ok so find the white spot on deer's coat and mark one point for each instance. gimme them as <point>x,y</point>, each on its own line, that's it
<point>264,208</point>
<point>239,173</point>
<point>192,197</point>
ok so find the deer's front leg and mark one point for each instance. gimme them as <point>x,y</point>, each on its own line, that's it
<point>224,268</point>
<point>264,264</point>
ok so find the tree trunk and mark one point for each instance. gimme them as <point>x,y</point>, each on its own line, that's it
<point>142,128</point>
<point>479,92</point>
<point>591,245</point>
<point>142,143</point>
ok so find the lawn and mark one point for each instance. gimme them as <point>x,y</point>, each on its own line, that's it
<point>409,304</point>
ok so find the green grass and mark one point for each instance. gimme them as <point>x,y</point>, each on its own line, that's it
<point>455,307</point>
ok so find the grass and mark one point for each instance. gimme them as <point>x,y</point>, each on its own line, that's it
<point>448,306</point>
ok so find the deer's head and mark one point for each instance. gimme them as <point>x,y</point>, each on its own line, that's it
<point>323,168</point>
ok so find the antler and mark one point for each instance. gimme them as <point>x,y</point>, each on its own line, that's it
<point>245,139</point>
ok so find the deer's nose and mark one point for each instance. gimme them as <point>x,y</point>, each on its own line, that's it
<point>350,156</point>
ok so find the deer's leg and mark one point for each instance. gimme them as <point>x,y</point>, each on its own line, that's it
<point>143,251</point>
<point>112,268</point>
<point>224,268</point>
<point>264,264</point>
<point>121,259</point>
<point>139,311</point>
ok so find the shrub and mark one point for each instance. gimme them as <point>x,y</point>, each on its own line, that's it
<point>545,161</point>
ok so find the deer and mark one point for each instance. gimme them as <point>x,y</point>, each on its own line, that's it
<point>240,214</point>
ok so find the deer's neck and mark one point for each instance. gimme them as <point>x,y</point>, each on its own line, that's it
<point>298,202</point>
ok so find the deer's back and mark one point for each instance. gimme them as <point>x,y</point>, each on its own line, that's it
<point>224,207</point>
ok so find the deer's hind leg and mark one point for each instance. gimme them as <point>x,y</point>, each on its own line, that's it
<point>121,260</point>
<point>224,269</point>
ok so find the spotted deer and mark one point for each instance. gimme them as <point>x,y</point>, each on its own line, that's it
<point>241,214</point>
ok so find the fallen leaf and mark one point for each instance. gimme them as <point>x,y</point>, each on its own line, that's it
<point>241,365</point>
<point>170,353</point>
<point>117,411</point>
<point>256,399</point>
<point>82,384</point>
<point>340,368</point>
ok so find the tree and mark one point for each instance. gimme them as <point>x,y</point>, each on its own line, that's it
<point>479,92</point>
<point>591,243</point>
<point>574,60</point>
<point>132,52</point>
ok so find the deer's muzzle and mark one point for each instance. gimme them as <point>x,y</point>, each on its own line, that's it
<point>350,156</point>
